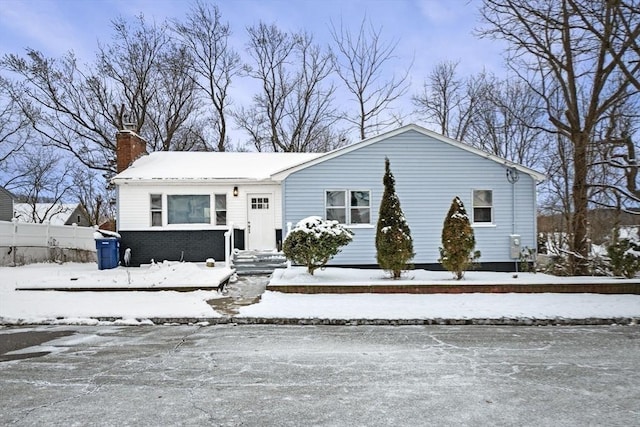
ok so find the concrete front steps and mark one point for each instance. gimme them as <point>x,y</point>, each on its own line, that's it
<point>258,262</point>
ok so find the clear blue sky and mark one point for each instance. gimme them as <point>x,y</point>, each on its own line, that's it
<point>427,31</point>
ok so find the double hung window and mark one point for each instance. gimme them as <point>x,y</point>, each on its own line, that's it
<point>156,210</point>
<point>348,206</point>
<point>221,209</point>
<point>482,206</point>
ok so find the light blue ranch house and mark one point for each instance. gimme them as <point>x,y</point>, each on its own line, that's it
<point>430,170</point>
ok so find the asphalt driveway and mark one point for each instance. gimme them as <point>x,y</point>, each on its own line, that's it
<point>321,375</point>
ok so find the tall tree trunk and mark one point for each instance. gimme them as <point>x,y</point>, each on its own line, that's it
<point>579,224</point>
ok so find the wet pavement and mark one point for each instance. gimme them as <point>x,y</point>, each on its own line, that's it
<point>321,375</point>
<point>245,291</point>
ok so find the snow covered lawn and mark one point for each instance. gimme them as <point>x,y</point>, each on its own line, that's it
<point>351,276</point>
<point>443,306</point>
<point>76,275</point>
<point>83,307</point>
<point>79,307</point>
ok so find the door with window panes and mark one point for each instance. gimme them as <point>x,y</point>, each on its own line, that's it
<point>260,222</point>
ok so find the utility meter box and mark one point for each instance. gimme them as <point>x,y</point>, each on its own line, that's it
<point>515,245</point>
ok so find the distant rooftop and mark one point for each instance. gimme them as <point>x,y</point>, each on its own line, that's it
<point>56,214</point>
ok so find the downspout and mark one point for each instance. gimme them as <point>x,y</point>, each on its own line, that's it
<point>513,177</point>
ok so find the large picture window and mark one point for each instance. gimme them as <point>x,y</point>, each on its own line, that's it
<point>482,206</point>
<point>348,207</point>
<point>188,209</point>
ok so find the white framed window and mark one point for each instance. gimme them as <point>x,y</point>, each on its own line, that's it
<point>156,210</point>
<point>482,206</point>
<point>348,206</point>
<point>221,209</point>
<point>189,209</point>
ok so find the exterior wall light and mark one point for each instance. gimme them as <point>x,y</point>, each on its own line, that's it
<point>235,191</point>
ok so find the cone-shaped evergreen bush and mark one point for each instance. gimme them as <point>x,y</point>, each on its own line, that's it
<point>394,245</point>
<point>458,241</point>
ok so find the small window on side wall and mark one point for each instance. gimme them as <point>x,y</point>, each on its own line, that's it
<point>482,206</point>
<point>221,209</point>
<point>156,210</point>
<point>348,207</point>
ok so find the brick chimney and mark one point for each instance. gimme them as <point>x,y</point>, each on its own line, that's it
<point>129,147</point>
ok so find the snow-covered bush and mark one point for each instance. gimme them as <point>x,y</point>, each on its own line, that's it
<point>624,257</point>
<point>314,241</point>
<point>394,245</point>
<point>458,241</point>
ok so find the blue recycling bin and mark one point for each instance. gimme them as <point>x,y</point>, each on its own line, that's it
<point>108,253</point>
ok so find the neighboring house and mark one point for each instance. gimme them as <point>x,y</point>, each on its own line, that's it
<point>177,205</point>
<point>55,214</point>
<point>6,204</point>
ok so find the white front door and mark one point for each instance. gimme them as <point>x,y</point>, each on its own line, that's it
<point>261,232</point>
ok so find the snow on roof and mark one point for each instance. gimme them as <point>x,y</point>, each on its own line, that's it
<point>197,165</point>
<point>56,214</point>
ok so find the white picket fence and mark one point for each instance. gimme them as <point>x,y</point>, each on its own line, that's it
<point>25,235</point>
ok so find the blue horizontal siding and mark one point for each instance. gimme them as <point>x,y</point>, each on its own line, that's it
<point>429,174</point>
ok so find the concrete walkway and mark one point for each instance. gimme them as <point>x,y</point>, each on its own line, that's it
<point>245,291</point>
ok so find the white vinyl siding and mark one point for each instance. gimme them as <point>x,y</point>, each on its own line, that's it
<point>134,203</point>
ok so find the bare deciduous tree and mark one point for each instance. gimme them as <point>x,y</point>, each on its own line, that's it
<point>70,109</point>
<point>449,102</point>
<point>140,78</point>
<point>14,126</point>
<point>495,115</point>
<point>362,61</point>
<point>89,190</point>
<point>572,70</point>
<point>154,86</point>
<point>214,63</point>
<point>507,122</point>
<point>40,174</point>
<point>294,110</point>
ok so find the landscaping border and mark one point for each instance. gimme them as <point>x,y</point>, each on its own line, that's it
<point>627,287</point>
<point>235,321</point>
